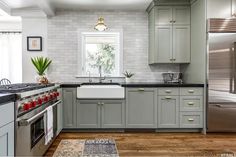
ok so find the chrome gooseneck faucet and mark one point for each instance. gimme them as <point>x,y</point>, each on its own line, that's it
<point>100,74</point>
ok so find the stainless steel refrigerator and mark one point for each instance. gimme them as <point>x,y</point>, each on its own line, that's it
<point>221,108</point>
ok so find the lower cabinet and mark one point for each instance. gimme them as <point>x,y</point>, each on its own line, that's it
<point>69,107</point>
<point>100,114</point>
<point>141,108</point>
<point>168,112</point>
<point>7,133</point>
<point>7,140</point>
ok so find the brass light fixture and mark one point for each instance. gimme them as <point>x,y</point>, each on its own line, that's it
<point>100,26</point>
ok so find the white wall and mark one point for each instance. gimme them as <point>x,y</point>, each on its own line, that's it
<point>32,27</point>
<point>64,46</point>
<point>219,8</point>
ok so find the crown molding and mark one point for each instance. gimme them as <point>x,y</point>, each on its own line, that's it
<point>28,12</point>
<point>45,6</point>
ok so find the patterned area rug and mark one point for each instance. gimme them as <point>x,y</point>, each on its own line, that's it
<point>87,148</point>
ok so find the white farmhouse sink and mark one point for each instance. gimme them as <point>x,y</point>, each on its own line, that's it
<point>100,92</point>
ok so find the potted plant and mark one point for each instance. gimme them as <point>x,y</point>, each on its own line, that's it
<point>41,64</point>
<point>128,76</point>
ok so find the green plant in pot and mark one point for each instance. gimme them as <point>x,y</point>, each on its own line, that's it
<point>41,64</point>
<point>128,76</point>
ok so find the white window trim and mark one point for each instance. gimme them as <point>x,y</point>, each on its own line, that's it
<point>81,47</point>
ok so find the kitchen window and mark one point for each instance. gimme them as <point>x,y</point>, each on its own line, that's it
<point>101,49</point>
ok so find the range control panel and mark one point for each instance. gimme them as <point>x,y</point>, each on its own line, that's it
<point>30,103</point>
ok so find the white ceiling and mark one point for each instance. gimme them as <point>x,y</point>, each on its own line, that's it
<point>81,4</point>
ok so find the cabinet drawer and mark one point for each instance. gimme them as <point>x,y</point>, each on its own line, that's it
<point>191,91</point>
<point>168,91</point>
<point>191,103</point>
<point>6,111</point>
<point>191,120</point>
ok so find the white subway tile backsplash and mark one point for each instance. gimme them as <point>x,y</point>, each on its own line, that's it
<point>64,47</point>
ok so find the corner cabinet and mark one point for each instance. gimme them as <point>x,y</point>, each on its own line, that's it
<point>100,114</point>
<point>69,107</point>
<point>169,34</point>
<point>141,108</point>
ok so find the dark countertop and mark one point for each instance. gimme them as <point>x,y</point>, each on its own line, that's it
<point>7,97</point>
<point>135,84</point>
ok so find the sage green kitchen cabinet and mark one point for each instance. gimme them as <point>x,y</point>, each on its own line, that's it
<point>88,114</point>
<point>181,44</point>
<point>69,107</point>
<point>100,114</point>
<point>113,114</point>
<point>7,129</point>
<point>141,108</point>
<point>168,111</point>
<point>169,34</point>
<point>163,36</point>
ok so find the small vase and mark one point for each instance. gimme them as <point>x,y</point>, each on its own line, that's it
<point>42,79</point>
<point>128,80</point>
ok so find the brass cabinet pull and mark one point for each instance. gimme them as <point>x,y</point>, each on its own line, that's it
<point>167,97</point>
<point>190,103</point>
<point>141,89</point>
<point>168,91</point>
<point>174,21</point>
<point>191,91</point>
<point>171,21</point>
<point>190,119</point>
<point>102,103</point>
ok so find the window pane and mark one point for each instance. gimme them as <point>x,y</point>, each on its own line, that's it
<point>102,50</point>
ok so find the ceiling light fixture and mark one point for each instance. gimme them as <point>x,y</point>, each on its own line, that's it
<point>100,26</point>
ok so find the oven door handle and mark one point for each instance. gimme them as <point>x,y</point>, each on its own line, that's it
<point>25,122</point>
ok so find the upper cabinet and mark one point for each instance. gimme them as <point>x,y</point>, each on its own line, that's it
<point>169,34</point>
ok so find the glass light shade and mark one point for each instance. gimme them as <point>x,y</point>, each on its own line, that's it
<point>100,26</point>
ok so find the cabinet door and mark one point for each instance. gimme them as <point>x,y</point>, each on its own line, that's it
<point>7,140</point>
<point>181,15</point>
<point>88,114</point>
<point>168,112</point>
<point>141,108</point>
<point>181,44</point>
<point>163,44</point>
<point>163,15</point>
<point>113,114</point>
<point>69,107</point>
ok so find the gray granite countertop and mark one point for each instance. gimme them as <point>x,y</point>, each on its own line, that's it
<point>136,84</point>
<point>7,97</point>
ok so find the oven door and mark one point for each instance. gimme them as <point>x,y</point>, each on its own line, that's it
<point>30,135</point>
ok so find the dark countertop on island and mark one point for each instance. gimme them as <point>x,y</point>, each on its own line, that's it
<point>7,97</point>
<point>135,84</point>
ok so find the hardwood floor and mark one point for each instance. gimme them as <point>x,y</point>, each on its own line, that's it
<point>162,144</point>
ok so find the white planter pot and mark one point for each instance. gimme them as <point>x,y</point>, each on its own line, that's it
<point>128,79</point>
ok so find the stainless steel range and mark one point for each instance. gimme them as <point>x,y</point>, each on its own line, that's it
<point>32,102</point>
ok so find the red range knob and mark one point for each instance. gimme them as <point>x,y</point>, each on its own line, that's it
<point>55,94</point>
<point>51,96</point>
<point>45,99</point>
<point>58,93</point>
<point>26,106</point>
<point>33,103</point>
<point>40,101</point>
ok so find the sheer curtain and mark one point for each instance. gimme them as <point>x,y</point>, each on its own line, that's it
<point>11,56</point>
